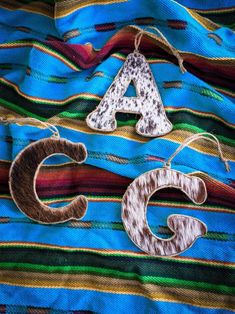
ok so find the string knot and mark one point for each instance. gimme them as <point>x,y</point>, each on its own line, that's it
<point>166,165</point>
<point>138,38</point>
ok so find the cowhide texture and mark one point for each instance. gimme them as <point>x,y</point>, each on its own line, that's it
<point>148,103</point>
<point>22,181</point>
<point>134,207</point>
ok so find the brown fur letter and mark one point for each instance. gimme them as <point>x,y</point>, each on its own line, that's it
<point>23,175</point>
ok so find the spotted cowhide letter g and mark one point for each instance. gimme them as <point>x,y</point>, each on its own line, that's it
<point>134,207</point>
<point>148,104</point>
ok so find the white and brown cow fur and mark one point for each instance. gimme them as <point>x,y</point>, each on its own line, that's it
<point>134,207</point>
<point>148,103</point>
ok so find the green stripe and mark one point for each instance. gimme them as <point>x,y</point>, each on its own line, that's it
<point>33,246</point>
<point>73,115</point>
<point>48,78</point>
<point>204,91</point>
<point>195,129</point>
<point>162,231</point>
<point>44,101</point>
<point>34,73</point>
<point>20,110</point>
<point>82,116</point>
<point>199,114</point>
<point>207,92</point>
<point>75,261</point>
<point>176,126</point>
<point>119,198</point>
<point>6,67</point>
<point>121,275</point>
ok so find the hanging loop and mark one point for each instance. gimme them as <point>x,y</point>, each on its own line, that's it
<point>205,135</point>
<point>174,51</point>
<point>49,126</point>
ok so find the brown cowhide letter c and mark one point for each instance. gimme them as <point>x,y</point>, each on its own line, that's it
<point>22,181</point>
<point>134,207</point>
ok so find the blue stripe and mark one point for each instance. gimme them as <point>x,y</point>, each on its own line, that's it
<point>127,11</point>
<point>156,215</point>
<point>119,240</point>
<point>15,18</point>
<point>187,161</point>
<point>96,301</point>
<point>24,55</point>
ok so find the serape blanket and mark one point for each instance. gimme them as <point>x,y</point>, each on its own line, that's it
<point>57,60</point>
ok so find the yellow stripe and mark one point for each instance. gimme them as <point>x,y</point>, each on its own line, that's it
<point>216,11</point>
<point>49,101</point>
<point>200,113</point>
<point>128,132</point>
<point>117,286</point>
<point>224,91</point>
<point>191,206</point>
<point>90,96</point>
<point>217,60</point>
<point>67,7</point>
<point>43,49</point>
<point>206,23</point>
<point>151,203</point>
<point>37,7</point>
<point>108,252</point>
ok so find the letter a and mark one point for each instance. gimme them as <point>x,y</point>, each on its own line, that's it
<point>148,103</point>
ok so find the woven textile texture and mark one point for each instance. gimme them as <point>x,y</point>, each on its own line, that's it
<point>57,60</point>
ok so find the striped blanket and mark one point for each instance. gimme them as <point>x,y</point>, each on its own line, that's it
<point>57,60</point>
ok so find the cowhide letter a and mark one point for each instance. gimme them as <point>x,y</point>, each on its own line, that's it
<point>148,103</point>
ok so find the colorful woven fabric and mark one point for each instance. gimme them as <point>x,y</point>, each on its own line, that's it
<point>57,60</point>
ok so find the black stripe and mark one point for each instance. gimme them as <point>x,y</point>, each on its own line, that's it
<point>140,267</point>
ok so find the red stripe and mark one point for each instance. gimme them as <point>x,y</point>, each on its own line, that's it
<point>212,71</point>
<point>177,24</point>
<point>64,180</point>
<point>105,27</point>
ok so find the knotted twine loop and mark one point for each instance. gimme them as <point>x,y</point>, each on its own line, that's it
<point>175,52</point>
<point>49,126</point>
<point>204,135</point>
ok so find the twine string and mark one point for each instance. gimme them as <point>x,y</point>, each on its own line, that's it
<point>206,136</point>
<point>49,126</point>
<point>174,51</point>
